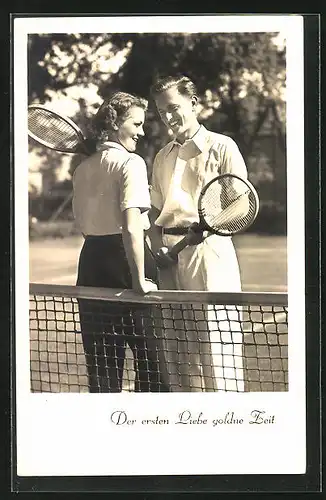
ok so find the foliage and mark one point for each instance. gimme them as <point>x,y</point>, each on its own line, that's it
<point>240,76</point>
<point>240,79</point>
<point>237,74</point>
<point>60,61</point>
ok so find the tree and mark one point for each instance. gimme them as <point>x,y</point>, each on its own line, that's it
<point>240,77</point>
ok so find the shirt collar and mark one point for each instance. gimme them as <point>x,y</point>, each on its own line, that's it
<point>110,144</point>
<point>199,139</point>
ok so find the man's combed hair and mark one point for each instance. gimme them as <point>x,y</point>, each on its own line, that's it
<point>184,85</point>
<point>113,111</point>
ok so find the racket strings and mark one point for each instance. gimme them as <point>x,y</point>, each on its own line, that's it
<point>52,130</point>
<point>228,206</point>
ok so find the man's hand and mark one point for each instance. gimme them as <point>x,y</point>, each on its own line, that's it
<point>195,234</point>
<point>163,258</point>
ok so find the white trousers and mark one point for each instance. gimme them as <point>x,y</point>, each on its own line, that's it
<point>202,344</point>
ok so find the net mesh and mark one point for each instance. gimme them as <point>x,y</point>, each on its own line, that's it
<point>228,205</point>
<point>51,129</point>
<point>95,340</point>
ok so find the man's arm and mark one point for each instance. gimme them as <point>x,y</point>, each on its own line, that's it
<point>233,161</point>
<point>157,202</point>
<point>155,232</point>
<point>234,164</point>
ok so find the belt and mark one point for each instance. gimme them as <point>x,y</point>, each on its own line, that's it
<point>176,231</point>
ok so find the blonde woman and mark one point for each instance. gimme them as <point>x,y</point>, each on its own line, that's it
<point>110,203</point>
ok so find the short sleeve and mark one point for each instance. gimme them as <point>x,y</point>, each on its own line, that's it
<point>156,193</point>
<point>233,162</point>
<point>134,189</point>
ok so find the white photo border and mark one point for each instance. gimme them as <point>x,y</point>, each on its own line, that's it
<point>58,434</point>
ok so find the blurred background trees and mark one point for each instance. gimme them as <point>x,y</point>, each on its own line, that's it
<point>241,83</point>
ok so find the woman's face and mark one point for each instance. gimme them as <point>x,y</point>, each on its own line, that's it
<point>131,128</point>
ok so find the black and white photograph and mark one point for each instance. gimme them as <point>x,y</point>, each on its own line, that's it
<point>159,224</point>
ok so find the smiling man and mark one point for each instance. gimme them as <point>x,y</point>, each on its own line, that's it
<point>203,348</point>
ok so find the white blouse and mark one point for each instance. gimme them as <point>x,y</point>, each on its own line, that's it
<point>106,184</point>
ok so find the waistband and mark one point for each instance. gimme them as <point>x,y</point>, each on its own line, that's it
<point>102,236</point>
<point>176,231</point>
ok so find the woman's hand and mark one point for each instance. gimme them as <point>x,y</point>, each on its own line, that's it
<point>145,287</point>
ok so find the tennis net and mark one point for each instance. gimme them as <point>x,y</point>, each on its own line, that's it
<point>86,339</point>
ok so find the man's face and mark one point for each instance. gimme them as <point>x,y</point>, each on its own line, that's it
<point>176,110</point>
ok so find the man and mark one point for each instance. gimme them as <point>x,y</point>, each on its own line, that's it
<point>203,345</point>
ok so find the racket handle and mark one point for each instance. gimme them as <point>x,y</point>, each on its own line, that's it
<point>166,258</point>
<point>176,249</point>
<point>188,240</point>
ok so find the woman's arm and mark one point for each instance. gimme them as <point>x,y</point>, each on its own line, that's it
<point>133,241</point>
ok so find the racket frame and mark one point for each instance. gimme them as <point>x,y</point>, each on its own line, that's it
<point>178,247</point>
<point>79,133</point>
<point>206,227</point>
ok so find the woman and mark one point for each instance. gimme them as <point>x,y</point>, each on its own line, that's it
<point>110,204</point>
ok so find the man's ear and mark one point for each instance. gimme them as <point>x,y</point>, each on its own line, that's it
<point>194,101</point>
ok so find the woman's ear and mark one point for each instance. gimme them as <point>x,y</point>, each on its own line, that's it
<point>115,126</point>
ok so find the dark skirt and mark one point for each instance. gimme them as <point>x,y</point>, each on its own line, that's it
<point>103,263</point>
<point>108,327</point>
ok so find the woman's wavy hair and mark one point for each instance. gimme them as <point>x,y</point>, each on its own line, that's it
<point>113,111</point>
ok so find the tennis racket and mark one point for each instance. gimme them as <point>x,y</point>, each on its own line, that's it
<point>56,132</point>
<point>227,205</point>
